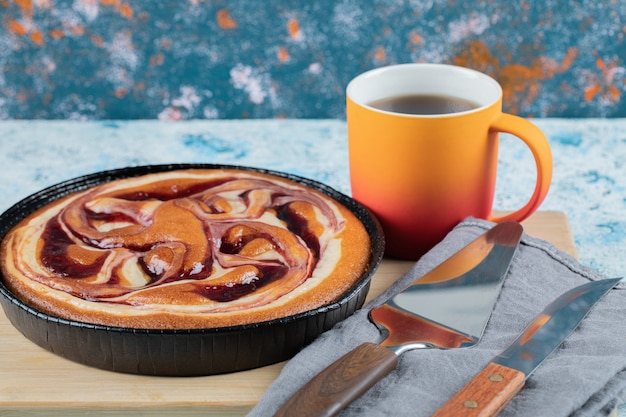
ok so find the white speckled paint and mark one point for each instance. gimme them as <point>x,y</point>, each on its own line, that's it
<point>88,59</point>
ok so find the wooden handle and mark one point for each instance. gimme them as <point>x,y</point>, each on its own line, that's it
<point>340,383</point>
<point>486,394</point>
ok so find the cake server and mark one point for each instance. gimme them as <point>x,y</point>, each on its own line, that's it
<point>493,387</point>
<point>448,307</point>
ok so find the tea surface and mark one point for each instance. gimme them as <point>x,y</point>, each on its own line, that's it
<point>425,104</point>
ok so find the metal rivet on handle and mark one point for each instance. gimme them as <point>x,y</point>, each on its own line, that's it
<point>470,404</point>
<point>496,377</point>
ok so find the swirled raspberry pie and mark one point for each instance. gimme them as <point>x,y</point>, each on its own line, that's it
<point>192,248</point>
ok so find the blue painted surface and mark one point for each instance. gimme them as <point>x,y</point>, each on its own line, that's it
<point>170,59</point>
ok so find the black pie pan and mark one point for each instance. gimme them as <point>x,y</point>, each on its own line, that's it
<point>181,352</point>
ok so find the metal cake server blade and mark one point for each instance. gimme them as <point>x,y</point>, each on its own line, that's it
<point>448,307</point>
<point>493,387</point>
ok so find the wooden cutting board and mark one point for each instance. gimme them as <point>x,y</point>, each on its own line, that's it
<point>35,382</point>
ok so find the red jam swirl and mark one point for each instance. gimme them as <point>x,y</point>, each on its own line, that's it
<point>223,238</point>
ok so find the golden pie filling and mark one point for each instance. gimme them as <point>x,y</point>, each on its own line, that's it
<point>186,249</point>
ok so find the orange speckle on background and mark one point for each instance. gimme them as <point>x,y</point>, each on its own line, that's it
<point>591,92</point>
<point>37,37</point>
<point>224,20</point>
<point>122,8</point>
<point>570,56</point>
<point>16,27</point>
<point>25,5</point>
<point>166,43</point>
<point>77,30</point>
<point>477,56</point>
<point>380,54</point>
<point>125,10</point>
<point>415,38</point>
<point>43,4</point>
<point>120,92</point>
<point>283,54</point>
<point>57,33</point>
<point>22,96</point>
<point>603,85</point>
<point>97,40</point>
<point>157,60</point>
<point>293,27</point>
<point>521,84</point>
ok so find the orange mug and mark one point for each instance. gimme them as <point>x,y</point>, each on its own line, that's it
<point>423,169</point>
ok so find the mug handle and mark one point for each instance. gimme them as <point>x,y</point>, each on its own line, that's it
<point>540,148</point>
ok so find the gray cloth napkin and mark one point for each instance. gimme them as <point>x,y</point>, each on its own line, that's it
<point>586,376</point>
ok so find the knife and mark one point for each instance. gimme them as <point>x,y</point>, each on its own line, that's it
<point>447,307</point>
<point>493,387</point>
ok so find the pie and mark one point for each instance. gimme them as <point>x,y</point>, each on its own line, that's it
<point>185,249</point>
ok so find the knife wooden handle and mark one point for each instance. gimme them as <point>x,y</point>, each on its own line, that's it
<point>340,383</point>
<point>486,394</point>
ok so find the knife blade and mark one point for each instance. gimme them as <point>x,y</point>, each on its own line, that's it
<point>496,385</point>
<point>448,307</point>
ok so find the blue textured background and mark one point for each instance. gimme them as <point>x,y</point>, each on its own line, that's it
<point>174,59</point>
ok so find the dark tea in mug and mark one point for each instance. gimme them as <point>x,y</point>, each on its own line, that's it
<point>425,104</point>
